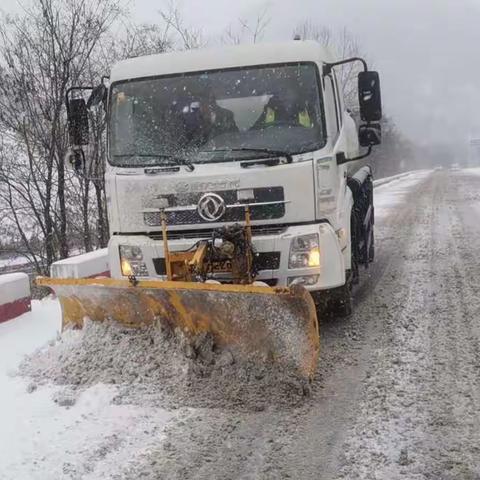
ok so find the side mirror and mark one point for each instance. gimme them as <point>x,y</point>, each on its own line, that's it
<point>369,96</point>
<point>98,95</point>
<point>77,116</point>
<point>75,160</point>
<point>370,134</point>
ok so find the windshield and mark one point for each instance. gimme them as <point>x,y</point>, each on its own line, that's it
<point>216,116</point>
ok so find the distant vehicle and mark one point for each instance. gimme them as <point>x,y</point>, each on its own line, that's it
<point>438,168</point>
<point>454,167</point>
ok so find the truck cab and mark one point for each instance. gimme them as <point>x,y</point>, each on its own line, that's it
<point>195,137</point>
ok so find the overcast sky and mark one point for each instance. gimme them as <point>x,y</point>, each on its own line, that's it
<point>427,51</point>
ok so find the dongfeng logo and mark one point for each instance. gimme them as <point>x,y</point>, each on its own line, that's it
<point>211,207</point>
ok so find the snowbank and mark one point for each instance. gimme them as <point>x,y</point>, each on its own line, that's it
<point>14,295</point>
<point>474,170</point>
<point>396,191</point>
<point>91,264</point>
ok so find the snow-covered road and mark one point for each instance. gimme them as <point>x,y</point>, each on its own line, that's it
<point>396,396</point>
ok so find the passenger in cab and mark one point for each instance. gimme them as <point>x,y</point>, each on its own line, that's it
<point>288,108</point>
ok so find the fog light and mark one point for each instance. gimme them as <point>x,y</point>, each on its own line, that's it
<point>126,268</point>
<point>131,262</point>
<point>137,269</point>
<point>307,280</point>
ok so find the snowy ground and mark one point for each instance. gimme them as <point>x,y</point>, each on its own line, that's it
<point>396,394</point>
<point>42,437</point>
<point>10,262</point>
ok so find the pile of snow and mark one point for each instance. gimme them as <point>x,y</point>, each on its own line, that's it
<point>156,367</point>
<point>106,353</point>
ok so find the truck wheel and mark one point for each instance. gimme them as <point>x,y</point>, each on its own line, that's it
<point>336,302</point>
<point>322,304</point>
<point>342,302</point>
<point>371,250</point>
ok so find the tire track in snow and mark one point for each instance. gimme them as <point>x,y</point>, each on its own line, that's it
<point>419,413</point>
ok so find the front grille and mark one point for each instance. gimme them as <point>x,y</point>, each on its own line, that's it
<point>191,217</point>
<point>204,233</point>
<point>263,261</point>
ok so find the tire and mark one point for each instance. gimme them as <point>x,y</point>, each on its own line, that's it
<point>336,302</point>
<point>371,250</point>
<point>342,302</point>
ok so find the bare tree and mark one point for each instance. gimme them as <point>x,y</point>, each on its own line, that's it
<point>345,45</point>
<point>42,52</point>
<point>396,152</point>
<point>248,32</point>
<point>134,41</point>
<point>177,33</point>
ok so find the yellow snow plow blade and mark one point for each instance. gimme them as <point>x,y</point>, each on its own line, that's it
<point>271,325</point>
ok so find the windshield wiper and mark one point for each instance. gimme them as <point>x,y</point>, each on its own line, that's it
<point>175,159</point>
<point>270,152</point>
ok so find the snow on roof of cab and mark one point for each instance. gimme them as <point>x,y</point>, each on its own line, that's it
<point>220,58</point>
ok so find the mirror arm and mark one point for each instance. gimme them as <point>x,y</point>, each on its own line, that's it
<point>365,155</point>
<point>327,67</point>
<point>82,88</point>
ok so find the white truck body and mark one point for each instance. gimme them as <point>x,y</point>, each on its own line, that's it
<point>315,197</point>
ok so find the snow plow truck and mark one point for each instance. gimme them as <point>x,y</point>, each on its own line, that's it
<point>235,201</point>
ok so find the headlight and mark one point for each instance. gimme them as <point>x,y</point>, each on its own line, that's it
<point>126,267</point>
<point>304,252</point>
<point>131,252</point>
<point>131,261</point>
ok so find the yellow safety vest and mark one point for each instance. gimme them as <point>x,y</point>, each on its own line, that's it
<point>303,117</point>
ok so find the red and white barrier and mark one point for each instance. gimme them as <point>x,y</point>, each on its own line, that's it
<point>91,264</point>
<point>15,297</point>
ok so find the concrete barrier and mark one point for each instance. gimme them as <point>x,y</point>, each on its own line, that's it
<point>385,180</point>
<point>15,296</point>
<point>91,264</point>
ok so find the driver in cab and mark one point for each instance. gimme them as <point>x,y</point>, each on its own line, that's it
<point>205,119</point>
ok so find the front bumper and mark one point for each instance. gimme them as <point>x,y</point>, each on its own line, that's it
<point>331,272</point>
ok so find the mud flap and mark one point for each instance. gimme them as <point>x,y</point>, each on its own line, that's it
<point>262,324</point>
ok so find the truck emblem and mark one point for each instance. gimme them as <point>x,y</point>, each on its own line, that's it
<point>211,207</point>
